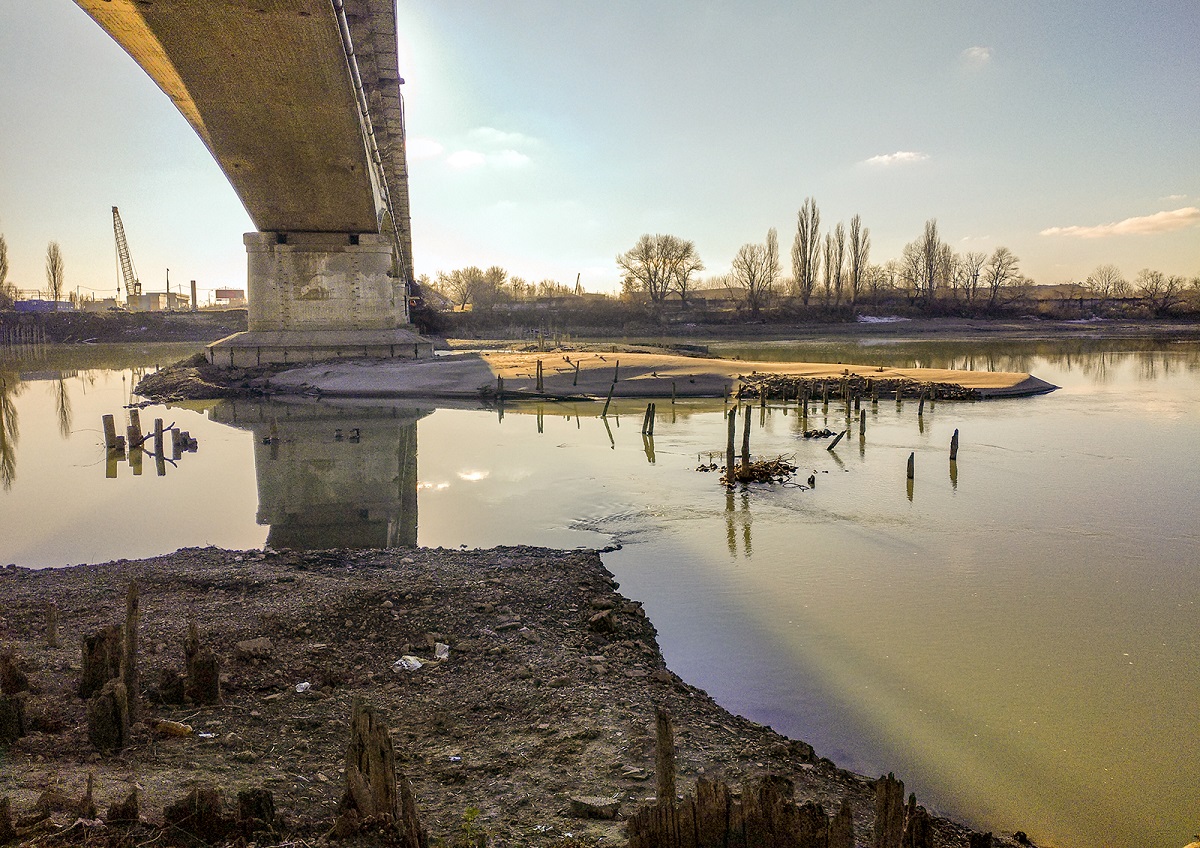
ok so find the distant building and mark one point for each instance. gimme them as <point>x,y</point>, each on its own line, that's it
<point>35,305</point>
<point>158,302</point>
<point>104,304</point>
<point>231,297</point>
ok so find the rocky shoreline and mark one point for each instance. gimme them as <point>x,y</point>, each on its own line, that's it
<point>546,693</point>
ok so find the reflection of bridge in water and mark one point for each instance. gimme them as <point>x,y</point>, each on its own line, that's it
<point>332,476</point>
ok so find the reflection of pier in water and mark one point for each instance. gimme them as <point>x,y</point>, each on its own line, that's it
<point>332,476</point>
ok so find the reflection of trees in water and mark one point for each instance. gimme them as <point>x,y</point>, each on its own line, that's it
<point>62,406</point>
<point>10,431</point>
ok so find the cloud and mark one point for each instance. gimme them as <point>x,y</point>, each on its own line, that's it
<point>508,159</point>
<point>423,148</point>
<point>492,137</point>
<point>976,57</point>
<point>1174,197</point>
<point>1159,222</point>
<point>461,160</point>
<point>900,157</point>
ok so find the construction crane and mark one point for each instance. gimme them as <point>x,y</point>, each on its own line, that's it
<point>132,286</point>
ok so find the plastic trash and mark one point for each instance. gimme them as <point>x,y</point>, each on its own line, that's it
<point>173,728</point>
<point>303,687</point>
<point>204,734</point>
<point>441,651</point>
<point>407,663</point>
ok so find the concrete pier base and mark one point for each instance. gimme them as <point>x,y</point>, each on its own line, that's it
<point>321,296</point>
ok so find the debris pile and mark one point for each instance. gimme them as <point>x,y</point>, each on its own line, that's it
<point>790,386</point>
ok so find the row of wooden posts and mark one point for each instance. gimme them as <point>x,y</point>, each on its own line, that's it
<point>132,445</point>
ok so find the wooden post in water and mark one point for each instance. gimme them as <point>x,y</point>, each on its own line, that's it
<point>912,458</point>
<point>921,404</point>
<point>862,421</point>
<point>746,440</point>
<point>653,415</point>
<point>617,371</point>
<point>672,393</point>
<point>575,380</point>
<point>607,401</point>
<point>539,374</point>
<point>836,439</point>
<point>664,758</point>
<point>825,395</point>
<point>160,459</point>
<point>110,432</point>
<point>135,425</point>
<point>954,446</point>
<point>731,426</point>
<point>646,420</point>
<point>499,387</point>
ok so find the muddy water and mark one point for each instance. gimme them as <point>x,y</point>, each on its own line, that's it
<point>1015,637</point>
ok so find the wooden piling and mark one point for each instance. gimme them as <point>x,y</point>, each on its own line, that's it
<point>575,379</point>
<point>731,426</point>
<point>110,432</point>
<point>912,458</point>
<point>664,758</point>
<point>135,426</point>
<point>653,415</point>
<point>921,403</point>
<point>862,421</point>
<point>160,457</point>
<point>825,395</point>
<point>672,393</point>
<point>499,387</point>
<point>836,439</point>
<point>617,371</point>
<point>746,440</point>
<point>101,654</point>
<point>889,812</point>
<point>539,375</point>
<point>607,400</point>
<point>202,669</point>
<point>954,447</point>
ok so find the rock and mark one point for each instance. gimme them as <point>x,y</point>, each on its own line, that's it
<point>603,603</point>
<point>254,649</point>
<point>198,813</point>
<point>559,681</point>
<point>603,622</point>
<point>591,807</point>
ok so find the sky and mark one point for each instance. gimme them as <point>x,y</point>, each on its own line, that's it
<point>547,136</point>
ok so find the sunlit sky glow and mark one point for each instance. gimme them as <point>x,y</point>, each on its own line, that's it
<point>546,137</point>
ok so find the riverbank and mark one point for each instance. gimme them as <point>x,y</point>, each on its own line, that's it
<point>547,693</point>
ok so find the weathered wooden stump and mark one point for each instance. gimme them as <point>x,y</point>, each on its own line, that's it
<point>108,717</point>
<point>918,826</point>
<point>841,828</point>
<point>127,811</point>
<point>980,840</point>
<point>889,812</point>
<point>101,659</point>
<point>202,672</point>
<point>200,814</point>
<point>8,832</point>
<point>12,678</point>
<point>256,812</point>
<point>664,757</point>
<point>12,719</point>
<point>374,792</point>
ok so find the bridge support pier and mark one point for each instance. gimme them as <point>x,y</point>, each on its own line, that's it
<point>321,296</point>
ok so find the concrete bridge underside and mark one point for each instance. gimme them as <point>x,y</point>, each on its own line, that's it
<point>268,86</point>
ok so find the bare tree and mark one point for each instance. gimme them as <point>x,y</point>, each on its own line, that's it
<point>7,295</point>
<point>1161,293</point>
<point>839,262</point>
<point>806,250</point>
<point>930,255</point>
<point>460,285</point>
<point>772,262</point>
<point>751,271</point>
<point>950,271</point>
<point>1103,283</point>
<point>54,270</point>
<point>860,253</point>
<point>659,264</point>
<point>827,265</point>
<point>1002,270</point>
<point>972,267</point>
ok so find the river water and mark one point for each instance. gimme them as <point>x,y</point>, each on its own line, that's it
<point>1014,636</point>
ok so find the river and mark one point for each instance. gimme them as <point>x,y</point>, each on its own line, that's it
<point>1015,636</point>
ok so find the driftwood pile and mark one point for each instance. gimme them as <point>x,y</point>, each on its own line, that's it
<point>848,387</point>
<point>777,470</point>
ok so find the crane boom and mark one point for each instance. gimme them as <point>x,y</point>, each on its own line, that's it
<point>132,286</point>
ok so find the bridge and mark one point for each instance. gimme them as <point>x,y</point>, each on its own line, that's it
<point>299,102</point>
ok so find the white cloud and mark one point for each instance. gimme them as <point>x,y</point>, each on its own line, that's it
<point>463,159</point>
<point>492,137</point>
<point>1174,197</point>
<point>1159,222</point>
<point>900,157</point>
<point>423,148</point>
<point>508,159</point>
<point>976,57</point>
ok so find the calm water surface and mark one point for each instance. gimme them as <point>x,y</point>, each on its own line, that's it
<point>1017,639</point>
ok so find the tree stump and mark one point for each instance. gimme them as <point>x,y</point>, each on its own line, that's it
<point>12,719</point>
<point>12,678</point>
<point>918,826</point>
<point>889,812</point>
<point>373,792</point>
<point>101,660</point>
<point>256,812</point>
<point>664,757</point>
<point>108,717</point>
<point>203,670</point>
<point>841,829</point>
<point>127,811</point>
<point>199,813</point>
<point>8,833</point>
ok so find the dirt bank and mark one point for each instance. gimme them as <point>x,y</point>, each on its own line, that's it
<point>535,703</point>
